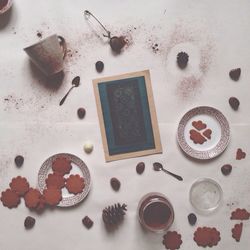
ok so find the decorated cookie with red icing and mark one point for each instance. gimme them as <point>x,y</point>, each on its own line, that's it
<point>52,196</point>
<point>196,137</point>
<point>206,236</point>
<point>172,240</point>
<point>61,165</point>
<point>237,231</point>
<point>240,214</point>
<point>10,198</point>
<point>75,184</point>
<point>240,154</point>
<point>32,198</point>
<point>55,180</point>
<point>199,125</point>
<point>19,185</point>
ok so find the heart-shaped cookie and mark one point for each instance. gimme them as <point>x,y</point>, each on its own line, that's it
<point>196,137</point>
<point>207,133</point>
<point>199,125</point>
<point>240,154</point>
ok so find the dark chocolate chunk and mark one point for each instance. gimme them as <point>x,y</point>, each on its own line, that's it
<point>117,43</point>
<point>115,183</point>
<point>182,60</point>
<point>234,103</point>
<point>19,160</point>
<point>81,113</point>
<point>226,169</point>
<point>99,66</point>
<point>140,167</point>
<point>235,74</point>
<point>87,222</point>
<point>157,166</point>
<point>29,222</point>
<point>192,219</point>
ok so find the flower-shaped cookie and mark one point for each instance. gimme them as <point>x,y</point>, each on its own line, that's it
<point>10,198</point>
<point>75,184</point>
<point>52,196</point>
<point>19,185</point>
<point>61,165</point>
<point>206,236</point>
<point>55,180</point>
<point>240,214</point>
<point>237,231</point>
<point>32,198</point>
<point>172,240</point>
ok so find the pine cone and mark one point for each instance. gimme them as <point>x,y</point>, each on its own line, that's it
<point>114,214</point>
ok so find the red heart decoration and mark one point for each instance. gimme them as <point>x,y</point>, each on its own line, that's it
<point>240,154</point>
<point>207,133</point>
<point>196,137</point>
<point>199,125</point>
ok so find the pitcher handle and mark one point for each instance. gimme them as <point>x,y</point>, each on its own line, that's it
<point>63,44</point>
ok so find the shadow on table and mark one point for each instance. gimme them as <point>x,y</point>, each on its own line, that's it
<point>5,18</point>
<point>52,83</point>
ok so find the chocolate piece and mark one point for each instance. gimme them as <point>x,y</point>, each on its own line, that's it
<point>117,43</point>
<point>172,240</point>
<point>207,133</point>
<point>157,166</point>
<point>192,219</point>
<point>235,74</point>
<point>19,185</point>
<point>240,154</point>
<point>10,198</point>
<point>19,160</point>
<point>196,137</point>
<point>182,60</point>
<point>32,198</point>
<point>140,167</point>
<point>226,169</point>
<point>75,184</point>
<point>61,165</point>
<point>206,236</point>
<point>29,222</point>
<point>234,103</point>
<point>115,183</point>
<point>81,113</point>
<point>237,231</point>
<point>99,65</point>
<point>240,214</point>
<point>199,125</point>
<point>55,180</point>
<point>52,196</point>
<point>87,222</point>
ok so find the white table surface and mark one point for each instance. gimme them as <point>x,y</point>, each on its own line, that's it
<point>34,125</point>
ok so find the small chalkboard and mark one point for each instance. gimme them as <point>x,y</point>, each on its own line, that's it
<point>127,116</point>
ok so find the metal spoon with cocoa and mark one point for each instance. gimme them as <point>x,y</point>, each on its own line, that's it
<point>158,167</point>
<point>75,84</point>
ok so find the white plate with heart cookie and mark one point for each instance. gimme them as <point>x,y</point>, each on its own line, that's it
<point>203,133</point>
